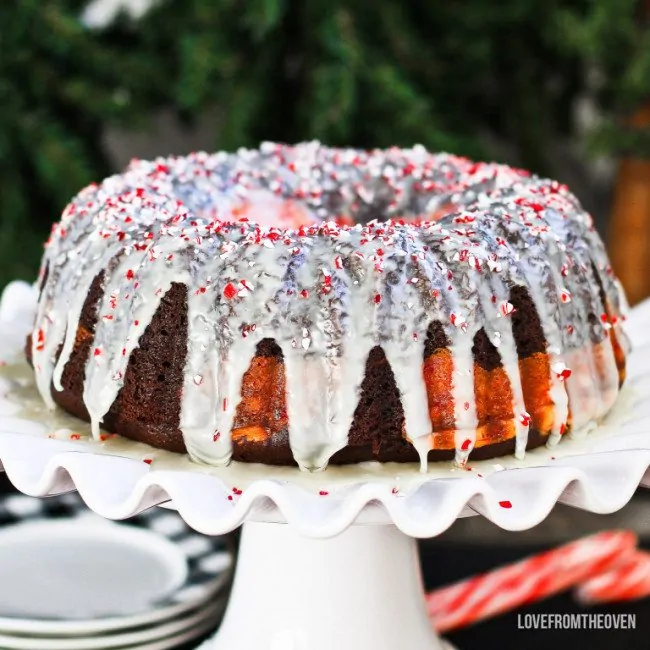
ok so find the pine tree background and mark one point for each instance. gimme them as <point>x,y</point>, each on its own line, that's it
<point>453,75</point>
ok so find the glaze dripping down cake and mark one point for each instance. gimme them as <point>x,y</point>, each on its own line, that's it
<point>311,305</point>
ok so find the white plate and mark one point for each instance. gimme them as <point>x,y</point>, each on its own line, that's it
<point>77,570</point>
<point>173,641</point>
<point>102,626</point>
<point>185,627</point>
<point>195,568</point>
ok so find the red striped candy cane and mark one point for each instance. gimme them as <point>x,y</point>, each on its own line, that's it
<point>527,581</point>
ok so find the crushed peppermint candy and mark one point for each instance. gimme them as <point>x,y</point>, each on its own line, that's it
<point>299,244</point>
<point>561,370</point>
<point>230,291</point>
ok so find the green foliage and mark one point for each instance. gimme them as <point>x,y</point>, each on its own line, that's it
<point>348,72</point>
<point>59,84</point>
<point>613,38</point>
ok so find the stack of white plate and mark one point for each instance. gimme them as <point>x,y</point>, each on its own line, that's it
<point>70,580</point>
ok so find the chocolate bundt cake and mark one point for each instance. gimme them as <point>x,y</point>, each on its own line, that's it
<point>310,305</point>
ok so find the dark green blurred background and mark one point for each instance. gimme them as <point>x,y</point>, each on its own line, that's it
<point>84,86</point>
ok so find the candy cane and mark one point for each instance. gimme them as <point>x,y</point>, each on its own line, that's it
<point>529,580</point>
<point>629,579</point>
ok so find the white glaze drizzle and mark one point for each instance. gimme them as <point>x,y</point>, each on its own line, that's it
<point>192,221</point>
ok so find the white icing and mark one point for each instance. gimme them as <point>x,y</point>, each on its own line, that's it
<point>327,294</point>
<point>463,392</point>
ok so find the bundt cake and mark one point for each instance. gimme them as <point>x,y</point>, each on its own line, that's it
<point>311,305</point>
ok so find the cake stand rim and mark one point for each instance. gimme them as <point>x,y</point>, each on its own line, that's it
<point>604,486</point>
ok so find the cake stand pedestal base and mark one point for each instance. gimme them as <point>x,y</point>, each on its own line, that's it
<point>361,590</point>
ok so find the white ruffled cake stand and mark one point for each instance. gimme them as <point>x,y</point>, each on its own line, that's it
<point>326,560</point>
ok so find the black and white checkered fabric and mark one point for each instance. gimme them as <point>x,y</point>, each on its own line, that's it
<point>209,559</point>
